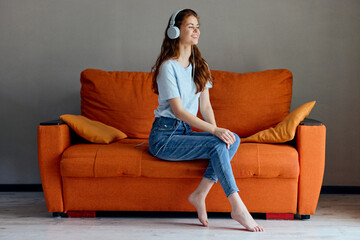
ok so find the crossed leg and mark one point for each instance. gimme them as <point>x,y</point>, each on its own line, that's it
<point>197,198</point>
<point>239,211</point>
<point>182,147</point>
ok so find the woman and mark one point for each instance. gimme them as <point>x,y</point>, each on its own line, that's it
<point>181,78</point>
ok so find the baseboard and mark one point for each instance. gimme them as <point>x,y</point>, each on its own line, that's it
<point>38,188</point>
<point>21,188</point>
<point>340,190</point>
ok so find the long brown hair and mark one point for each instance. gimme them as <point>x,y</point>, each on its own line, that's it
<point>170,49</point>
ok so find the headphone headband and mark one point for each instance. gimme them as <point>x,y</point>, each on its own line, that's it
<point>173,32</point>
<point>172,21</point>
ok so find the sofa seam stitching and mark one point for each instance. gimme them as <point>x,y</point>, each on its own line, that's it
<point>258,159</point>
<point>95,157</point>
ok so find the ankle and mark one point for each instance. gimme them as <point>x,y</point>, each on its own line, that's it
<point>199,194</point>
<point>237,204</point>
<point>234,199</point>
<point>236,210</point>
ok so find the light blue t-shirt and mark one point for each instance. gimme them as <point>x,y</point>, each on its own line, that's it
<point>175,81</point>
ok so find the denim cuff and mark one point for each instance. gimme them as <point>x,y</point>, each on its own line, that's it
<point>211,178</point>
<point>231,192</point>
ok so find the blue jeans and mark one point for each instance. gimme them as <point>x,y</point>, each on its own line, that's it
<point>173,140</point>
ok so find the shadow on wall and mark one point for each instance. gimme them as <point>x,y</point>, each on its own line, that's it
<point>66,104</point>
<point>18,144</point>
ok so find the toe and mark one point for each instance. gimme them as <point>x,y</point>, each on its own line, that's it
<point>205,222</point>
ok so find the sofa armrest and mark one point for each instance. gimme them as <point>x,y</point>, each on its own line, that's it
<point>310,142</point>
<point>52,141</point>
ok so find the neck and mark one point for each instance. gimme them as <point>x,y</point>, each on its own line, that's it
<point>185,53</point>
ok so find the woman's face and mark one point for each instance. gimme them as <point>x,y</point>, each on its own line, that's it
<point>189,31</point>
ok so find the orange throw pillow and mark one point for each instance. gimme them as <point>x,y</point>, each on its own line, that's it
<point>93,131</point>
<point>286,129</point>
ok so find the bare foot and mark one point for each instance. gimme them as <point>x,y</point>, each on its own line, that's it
<point>244,218</point>
<point>199,204</point>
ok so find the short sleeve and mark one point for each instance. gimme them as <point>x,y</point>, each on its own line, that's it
<point>167,83</point>
<point>208,85</point>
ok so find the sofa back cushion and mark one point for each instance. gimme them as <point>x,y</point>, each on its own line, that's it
<point>244,103</point>
<point>123,100</point>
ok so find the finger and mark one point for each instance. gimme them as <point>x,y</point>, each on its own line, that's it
<point>226,137</point>
<point>226,140</point>
<point>229,138</point>
<point>233,136</point>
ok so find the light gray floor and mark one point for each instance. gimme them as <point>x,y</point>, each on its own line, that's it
<point>23,215</point>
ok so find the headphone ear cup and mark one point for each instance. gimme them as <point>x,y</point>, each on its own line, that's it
<point>173,32</point>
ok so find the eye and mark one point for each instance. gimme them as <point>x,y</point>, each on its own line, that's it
<point>193,27</point>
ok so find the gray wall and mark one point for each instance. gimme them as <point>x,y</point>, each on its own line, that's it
<point>44,45</point>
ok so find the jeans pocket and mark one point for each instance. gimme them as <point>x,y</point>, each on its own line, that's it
<point>166,124</point>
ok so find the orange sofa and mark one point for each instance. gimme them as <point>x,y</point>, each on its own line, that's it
<point>80,176</point>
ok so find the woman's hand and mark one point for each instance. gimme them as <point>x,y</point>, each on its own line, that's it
<point>226,135</point>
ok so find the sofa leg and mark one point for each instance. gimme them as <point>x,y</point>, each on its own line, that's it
<point>81,214</point>
<point>59,214</point>
<point>280,216</point>
<point>305,217</point>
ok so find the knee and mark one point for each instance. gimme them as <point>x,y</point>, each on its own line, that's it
<point>220,147</point>
<point>238,140</point>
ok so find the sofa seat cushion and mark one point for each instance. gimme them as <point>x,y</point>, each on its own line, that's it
<point>251,160</point>
<point>120,158</point>
<point>266,161</point>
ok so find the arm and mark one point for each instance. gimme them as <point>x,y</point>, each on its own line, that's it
<point>224,134</point>
<point>205,107</point>
<point>53,139</point>
<point>182,114</point>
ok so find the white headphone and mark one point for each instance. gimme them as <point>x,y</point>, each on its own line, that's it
<point>173,32</point>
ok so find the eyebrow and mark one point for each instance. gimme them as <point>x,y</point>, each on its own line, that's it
<point>192,24</point>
